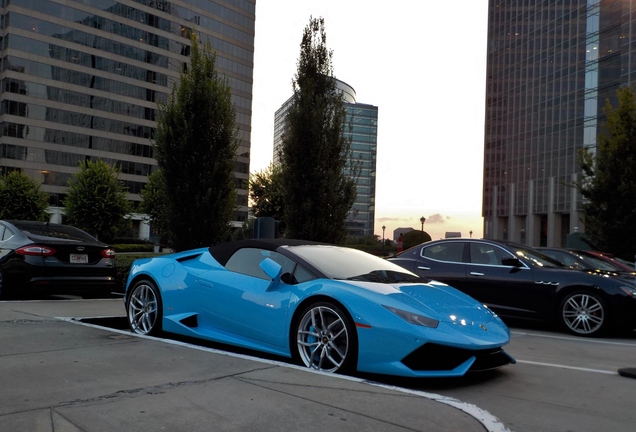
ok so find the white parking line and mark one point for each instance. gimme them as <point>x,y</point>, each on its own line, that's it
<point>601,371</point>
<point>575,338</point>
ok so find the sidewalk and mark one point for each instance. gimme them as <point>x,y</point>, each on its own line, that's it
<point>57,375</point>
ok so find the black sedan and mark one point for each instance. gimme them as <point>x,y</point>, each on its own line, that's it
<point>519,282</point>
<point>52,259</point>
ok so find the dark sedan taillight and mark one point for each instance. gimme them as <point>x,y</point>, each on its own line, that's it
<point>36,250</point>
<point>108,253</point>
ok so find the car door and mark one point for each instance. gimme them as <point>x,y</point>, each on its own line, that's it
<point>444,262</point>
<point>508,289</point>
<point>240,301</point>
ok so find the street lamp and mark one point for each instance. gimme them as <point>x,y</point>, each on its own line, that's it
<point>471,233</point>
<point>383,228</point>
<point>422,219</point>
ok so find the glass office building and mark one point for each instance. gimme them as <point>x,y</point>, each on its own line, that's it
<point>364,144</point>
<point>551,67</point>
<point>81,79</point>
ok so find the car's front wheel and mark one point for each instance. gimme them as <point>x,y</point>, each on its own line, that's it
<point>144,308</point>
<point>325,338</point>
<point>583,313</point>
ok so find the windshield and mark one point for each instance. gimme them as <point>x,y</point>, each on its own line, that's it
<point>536,258</point>
<point>351,264</point>
<point>57,231</point>
<point>598,263</point>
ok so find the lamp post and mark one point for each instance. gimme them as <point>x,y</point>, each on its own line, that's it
<point>383,228</point>
<point>471,233</point>
<point>422,219</point>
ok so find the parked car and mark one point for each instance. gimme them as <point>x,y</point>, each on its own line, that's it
<point>520,282</point>
<point>329,308</point>
<point>53,259</point>
<point>589,261</point>
<point>620,265</point>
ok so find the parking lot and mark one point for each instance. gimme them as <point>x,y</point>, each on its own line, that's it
<point>70,364</point>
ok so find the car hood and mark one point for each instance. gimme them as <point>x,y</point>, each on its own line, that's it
<point>435,300</point>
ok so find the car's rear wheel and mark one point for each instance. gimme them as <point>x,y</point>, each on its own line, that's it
<point>583,313</point>
<point>3,293</point>
<point>325,339</point>
<point>144,308</point>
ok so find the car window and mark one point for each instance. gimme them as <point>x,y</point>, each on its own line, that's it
<point>485,253</point>
<point>565,258</point>
<point>351,264</point>
<point>449,252</point>
<point>247,261</point>
<point>537,258</point>
<point>54,230</point>
<point>5,233</point>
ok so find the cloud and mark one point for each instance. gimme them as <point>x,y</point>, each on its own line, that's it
<point>393,219</point>
<point>437,219</point>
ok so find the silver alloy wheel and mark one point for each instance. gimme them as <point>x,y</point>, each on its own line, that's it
<point>323,339</point>
<point>583,313</point>
<point>142,309</point>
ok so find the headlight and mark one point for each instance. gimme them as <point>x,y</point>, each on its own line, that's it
<point>630,291</point>
<point>414,318</point>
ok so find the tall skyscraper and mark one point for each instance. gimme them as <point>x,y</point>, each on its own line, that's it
<point>364,146</point>
<point>81,80</point>
<point>551,67</point>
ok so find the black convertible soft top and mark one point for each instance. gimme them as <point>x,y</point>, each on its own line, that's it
<point>223,251</point>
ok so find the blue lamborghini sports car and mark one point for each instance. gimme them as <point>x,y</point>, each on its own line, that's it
<point>329,308</point>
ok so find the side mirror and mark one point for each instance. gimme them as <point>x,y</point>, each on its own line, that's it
<point>271,268</point>
<point>512,262</point>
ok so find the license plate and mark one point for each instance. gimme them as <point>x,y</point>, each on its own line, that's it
<point>79,259</point>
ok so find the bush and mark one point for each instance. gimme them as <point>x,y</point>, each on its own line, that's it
<point>131,240</point>
<point>129,248</point>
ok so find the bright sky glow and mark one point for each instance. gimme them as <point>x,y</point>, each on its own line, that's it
<point>423,64</point>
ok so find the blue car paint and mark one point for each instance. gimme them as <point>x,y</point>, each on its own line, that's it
<point>254,316</point>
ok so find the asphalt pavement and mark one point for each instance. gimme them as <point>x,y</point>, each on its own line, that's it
<point>59,373</point>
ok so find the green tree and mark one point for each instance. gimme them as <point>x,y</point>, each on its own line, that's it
<point>21,198</point>
<point>318,177</point>
<point>609,181</point>
<point>195,145</point>
<point>96,201</point>
<point>154,202</point>
<point>266,192</point>
<point>415,237</point>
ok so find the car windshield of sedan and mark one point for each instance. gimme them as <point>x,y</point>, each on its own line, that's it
<point>57,231</point>
<point>537,258</point>
<point>351,264</point>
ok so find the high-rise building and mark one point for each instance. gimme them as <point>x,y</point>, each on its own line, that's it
<point>81,79</point>
<point>551,67</point>
<point>364,145</point>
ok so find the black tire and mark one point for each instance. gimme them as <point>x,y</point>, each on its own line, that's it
<point>3,293</point>
<point>144,308</point>
<point>324,338</point>
<point>583,313</point>
<point>6,292</point>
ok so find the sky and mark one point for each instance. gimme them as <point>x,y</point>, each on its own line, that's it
<point>423,64</point>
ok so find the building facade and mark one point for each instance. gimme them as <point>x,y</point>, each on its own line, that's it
<point>364,134</point>
<point>551,67</point>
<point>81,79</point>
